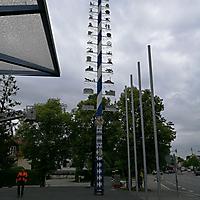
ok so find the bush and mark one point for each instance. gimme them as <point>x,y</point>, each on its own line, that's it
<point>8,177</point>
<point>83,176</point>
<point>87,175</point>
<point>33,177</point>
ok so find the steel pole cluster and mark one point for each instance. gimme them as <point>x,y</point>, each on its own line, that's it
<point>142,128</point>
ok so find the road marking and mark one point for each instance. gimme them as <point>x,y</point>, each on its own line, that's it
<point>165,187</point>
<point>183,190</point>
<point>171,183</point>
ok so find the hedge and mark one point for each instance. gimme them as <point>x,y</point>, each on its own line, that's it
<point>8,177</point>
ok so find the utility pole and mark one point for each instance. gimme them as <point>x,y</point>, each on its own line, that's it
<point>154,120</point>
<point>134,133</point>
<point>142,128</point>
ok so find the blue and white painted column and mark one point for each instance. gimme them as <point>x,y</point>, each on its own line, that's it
<point>99,181</point>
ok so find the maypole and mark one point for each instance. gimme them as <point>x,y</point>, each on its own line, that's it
<point>99,28</point>
<point>99,122</point>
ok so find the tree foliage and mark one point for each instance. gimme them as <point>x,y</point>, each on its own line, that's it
<point>192,161</point>
<point>114,134</point>
<point>46,142</point>
<point>8,90</point>
<point>57,135</point>
<point>83,136</point>
<point>165,129</point>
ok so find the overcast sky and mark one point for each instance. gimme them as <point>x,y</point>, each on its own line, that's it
<point>170,27</point>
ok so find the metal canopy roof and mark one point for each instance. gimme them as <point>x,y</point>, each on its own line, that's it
<point>26,41</point>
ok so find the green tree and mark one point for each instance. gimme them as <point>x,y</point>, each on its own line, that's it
<point>165,130</point>
<point>83,136</point>
<point>114,134</point>
<point>192,161</point>
<point>46,142</point>
<point>8,90</point>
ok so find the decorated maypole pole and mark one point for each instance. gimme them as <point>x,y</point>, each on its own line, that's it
<point>99,61</point>
<point>99,183</point>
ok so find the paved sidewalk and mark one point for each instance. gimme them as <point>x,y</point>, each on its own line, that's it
<point>85,193</point>
<point>61,190</point>
<point>65,183</point>
<point>68,193</point>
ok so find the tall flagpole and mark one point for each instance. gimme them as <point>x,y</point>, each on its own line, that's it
<point>142,128</point>
<point>128,142</point>
<point>154,120</point>
<point>134,133</point>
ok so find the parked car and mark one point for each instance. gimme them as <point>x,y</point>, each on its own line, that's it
<point>197,171</point>
<point>183,169</point>
<point>154,172</point>
<point>169,171</point>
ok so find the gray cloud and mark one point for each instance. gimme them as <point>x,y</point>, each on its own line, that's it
<point>171,27</point>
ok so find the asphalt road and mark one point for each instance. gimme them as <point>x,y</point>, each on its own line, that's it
<point>187,183</point>
<point>67,192</point>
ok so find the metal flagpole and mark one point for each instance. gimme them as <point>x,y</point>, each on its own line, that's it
<point>99,183</point>
<point>134,133</point>
<point>128,147</point>
<point>142,127</point>
<point>154,120</point>
<point>176,172</point>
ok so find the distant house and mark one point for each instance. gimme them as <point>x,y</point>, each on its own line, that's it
<point>20,160</point>
<point>188,157</point>
<point>198,156</point>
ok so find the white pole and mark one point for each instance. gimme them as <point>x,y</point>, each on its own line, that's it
<point>176,172</point>
<point>134,133</point>
<point>142,127</point>
<point>128,147</point>
<point>154,120</point>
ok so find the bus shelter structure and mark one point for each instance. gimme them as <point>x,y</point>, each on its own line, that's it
<point>26,41</point>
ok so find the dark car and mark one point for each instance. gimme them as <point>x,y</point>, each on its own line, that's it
<point>197,171</point>
<point>169,171</point>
